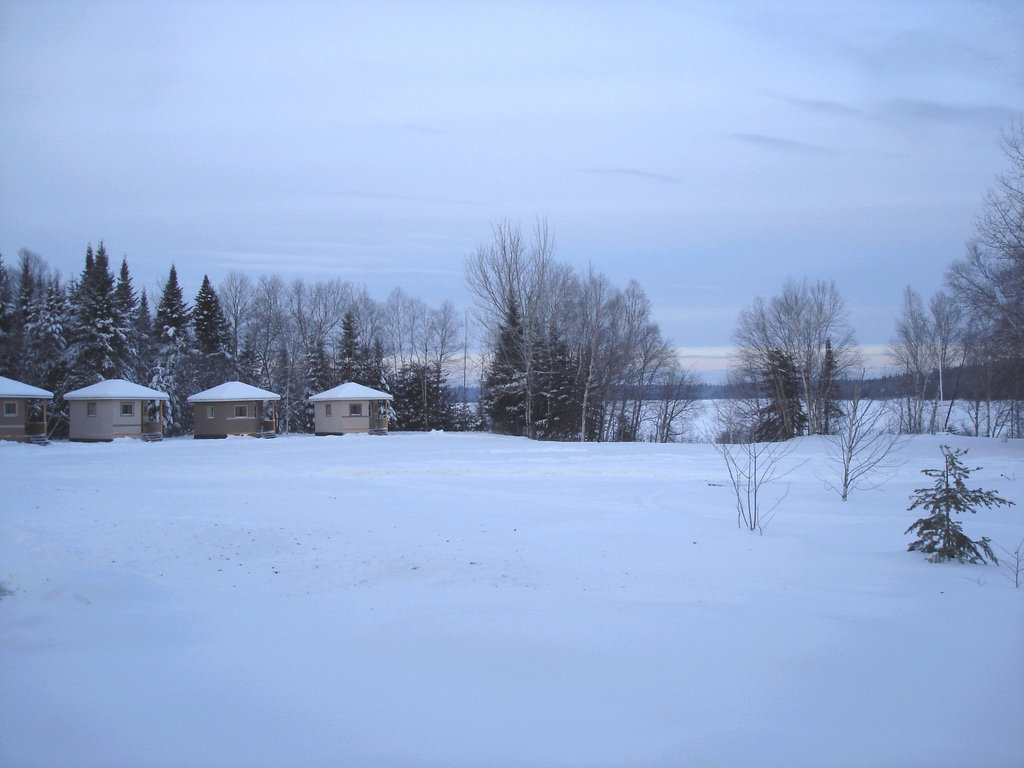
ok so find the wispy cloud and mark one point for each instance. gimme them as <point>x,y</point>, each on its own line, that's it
<point>954,114</point>
<point>635,173</point>
<point>783,145</point>
<point>819,106</point>
<point>303,263</point>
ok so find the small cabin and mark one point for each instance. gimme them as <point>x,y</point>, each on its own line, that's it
<point>115,408</point>
<point>23,414</point>
<point>234,408</point>
<point>351,407</point>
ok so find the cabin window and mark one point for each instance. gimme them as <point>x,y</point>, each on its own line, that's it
<point>327,409</point>
<point>127,409</point>
<point>209,411</point>
<point>90,409</point>
<point>11,408</point>
<point>241,411</point>
<point>355,409</point>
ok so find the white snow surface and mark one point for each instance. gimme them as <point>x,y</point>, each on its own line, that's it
<point>473,600</point>
<point>12,388</point>
<point>351,391</point>
<point>116,389</point>
<point>231,391</point>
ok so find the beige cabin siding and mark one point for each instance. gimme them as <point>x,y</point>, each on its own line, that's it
<point>108,423</point>
<point>339,422</point>
<point>12,427</point>
<point>98,427</point>
<point>224,422</point>
<point>126,426</point>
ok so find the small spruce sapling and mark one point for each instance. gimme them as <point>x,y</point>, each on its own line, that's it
<point>939,534</point>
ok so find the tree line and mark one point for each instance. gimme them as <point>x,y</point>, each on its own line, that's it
<point>549,363</point>
<point>295,339</point>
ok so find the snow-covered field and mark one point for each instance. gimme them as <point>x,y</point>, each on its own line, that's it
<point>472,600</point>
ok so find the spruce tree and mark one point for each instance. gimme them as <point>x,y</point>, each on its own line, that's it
<point>423,399</point>
<point>174,356</point>
<point>6,322</point>
<point>939,534</point>
<point>27,290</point>
<point>284,381</point>
<point>45,335</point>
<point>348,366</point>
<point>211,337</point>
<point>504,384</point>
<point>248,362</point>
<point>373,373</point>
<point>172,314</point>
<point>94,352</point>
<point>46,341</point>
<point>127,338</point>
<point>558,402</point>
<point>319,377</point>
<point>143,323</point>
<point>782,417</point>
<point>827,387</point>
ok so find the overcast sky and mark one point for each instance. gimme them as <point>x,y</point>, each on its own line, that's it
<point>709,150</point>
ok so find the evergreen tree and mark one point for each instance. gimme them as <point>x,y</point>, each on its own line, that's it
<point>174,358</point>
<point>827,388</point>
<point>782,417</point>
<point>127,338</point>
<point>248,362</point>
<point>423,399</point>
<point>319,376</point>
<point>939,534</point>
<point>291,408</point>
<point>504,384</point>
<point>6,322</point>
<point>143,323</point>
<point>372,372</point>
<point>27,290</point>
<point>558,402</point>
<point>211,338</point>
<point>172,314</point>
<point>349,363</point>
<point>46,342</point>
<point>95,351</point>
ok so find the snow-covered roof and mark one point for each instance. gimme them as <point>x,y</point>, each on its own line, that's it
<point>352,391</point>
<point>12,388</point>
<point>116,389</point>
<point>232,391</point>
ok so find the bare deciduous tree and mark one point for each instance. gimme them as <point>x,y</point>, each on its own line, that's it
<point>751,468</point>
<point>678,400</point>
<point>862,449</point>
<point>799,327</point>
<point>926,346</point>
<point>911,350</point>
<point>236,298</point>
<point>990,280</point>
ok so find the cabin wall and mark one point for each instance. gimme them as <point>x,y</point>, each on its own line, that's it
<point>339,422</point>
<point>98,427</point>
<point>224,422</point>
<point>129,425</point>
<point>13,427</point>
